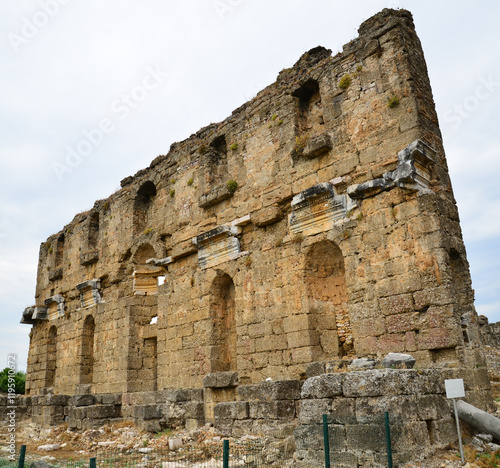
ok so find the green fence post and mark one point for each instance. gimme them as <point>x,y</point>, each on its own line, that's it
<point>93,463</point>
<point>326,441</point>
<point>388,440</point>
<point>225,454</point>
<point>22,455</point>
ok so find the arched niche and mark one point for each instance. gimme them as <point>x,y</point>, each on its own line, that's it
<point>143,204</point>
<point>87,351</point>
<point>143,253</point>
<point>310,107</point>
<point>93,230</point>
<point>223,325</point>
<point>51,364</point>
<point>59,251</point>
<point>145,275</point>
<point>326,291</point>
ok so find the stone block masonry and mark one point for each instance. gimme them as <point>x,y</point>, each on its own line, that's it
<point>421,417</point>
<point>314,225</point>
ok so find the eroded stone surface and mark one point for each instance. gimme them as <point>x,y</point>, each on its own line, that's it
<point>395,360</point>
<point>324,228</point>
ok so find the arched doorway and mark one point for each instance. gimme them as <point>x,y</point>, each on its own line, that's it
<point>222,315</point>
<point>50,372</point>
<point>143,203</point>
<point>327,298</point>
<point>87,352</point>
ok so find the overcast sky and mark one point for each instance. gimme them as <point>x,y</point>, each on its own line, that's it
<point>149,73</point>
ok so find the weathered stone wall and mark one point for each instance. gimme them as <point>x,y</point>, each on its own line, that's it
<point>490,332</point>
<point>419,414</point>
<point>490,335</point>
<point>421,418</point>
<point>354,401</point>
<point>316,222</point>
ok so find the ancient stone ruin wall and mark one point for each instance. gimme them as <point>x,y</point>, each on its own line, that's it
<point>490,332</point>
<point>421,417</point>
<point>316,223</point>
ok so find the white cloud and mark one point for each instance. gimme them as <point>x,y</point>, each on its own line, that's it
<point>65,79</point>
<point>474,173</point>
<point>17,342</point>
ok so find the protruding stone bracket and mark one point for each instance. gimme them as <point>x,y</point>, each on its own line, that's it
<point>221,380</point>
<point>183,249</point>
<point>55,306</point>
<point>413,173</point>
<point>40,313</point>
<point>267,215</point>
<point>225,229</point>
<point>243,221</point>
<point>215,196</point>
<point>317,208</point>
<point>218,245</point>
<point>159,261</point>
<point>33,314</point>
<point>27,317</point>
<point>150,331</point>
<point>317,146</point>
<point>56,274</point>
<point>87,258</point>
<point>89,293</point>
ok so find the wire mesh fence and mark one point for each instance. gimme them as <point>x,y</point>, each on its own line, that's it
<point>274,449</point>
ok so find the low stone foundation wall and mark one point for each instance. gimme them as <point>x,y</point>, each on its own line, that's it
<point>268,405</point>
<point>150,411</point>
<point>86,411</point>
<point>153,411</point>
<point>355,402</point>
<point>420,415</point>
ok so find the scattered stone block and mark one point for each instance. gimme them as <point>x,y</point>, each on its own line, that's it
<point>362,364</point>
<point>145,449</point>
<point>174,444</point>
<point>49,447</point>
<point>398,360</point>
<point>485,437</point>
<point>40,464</point>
